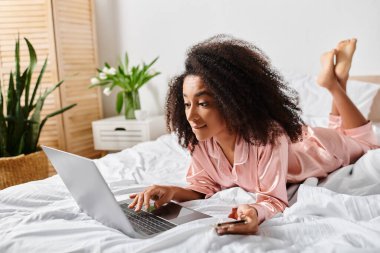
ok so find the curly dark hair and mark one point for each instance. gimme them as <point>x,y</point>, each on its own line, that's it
<point>255,101</point>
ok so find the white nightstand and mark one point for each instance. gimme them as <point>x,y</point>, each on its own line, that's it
<point>117,133</point>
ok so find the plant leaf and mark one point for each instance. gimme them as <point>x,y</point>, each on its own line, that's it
<point>16,128</point>
<point>119,102</point>
<point>126,63</point>
<point>17,61</point>
<point>51,89</point>
<point>28,78</point>
<point>37,85</point>
<point>3,126</point>
<point>150,64</point>
<point>139,77</point>
<point>34,126</point>
<point>134,73</point>
<point>121,71</point>
<point>101,83</point>
<point>11,101</point>
<point>62,110</point>
<point>21,85</point>
<point>147,78</point>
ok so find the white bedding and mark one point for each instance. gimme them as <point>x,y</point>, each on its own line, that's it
<point>341,216</point>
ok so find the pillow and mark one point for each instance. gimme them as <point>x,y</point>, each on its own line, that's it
<point>315,101</point>
<point>316,121</point>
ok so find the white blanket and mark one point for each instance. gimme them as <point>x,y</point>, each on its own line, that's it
<point>341,216</point>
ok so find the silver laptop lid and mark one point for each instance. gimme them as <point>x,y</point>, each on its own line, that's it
<point>89,189</point>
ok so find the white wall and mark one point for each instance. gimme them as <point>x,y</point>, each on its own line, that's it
<point>293,33</point>
<point>107,28</point>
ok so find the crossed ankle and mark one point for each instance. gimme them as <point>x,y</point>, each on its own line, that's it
<point>335,89</point>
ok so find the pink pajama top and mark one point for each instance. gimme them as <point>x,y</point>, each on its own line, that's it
<point>265,170</point>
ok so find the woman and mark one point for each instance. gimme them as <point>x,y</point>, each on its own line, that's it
<point>241,123</point>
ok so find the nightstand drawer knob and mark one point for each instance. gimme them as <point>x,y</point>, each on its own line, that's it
<point>120,129</point>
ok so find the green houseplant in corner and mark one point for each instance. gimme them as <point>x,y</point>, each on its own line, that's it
<point>21,159</point>
<point>129,80</point>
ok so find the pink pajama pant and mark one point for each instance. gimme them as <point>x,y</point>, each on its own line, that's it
<point>324,150</point>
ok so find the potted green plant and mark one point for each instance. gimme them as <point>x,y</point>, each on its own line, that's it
<point>129,80</point>
<point>21,158</point>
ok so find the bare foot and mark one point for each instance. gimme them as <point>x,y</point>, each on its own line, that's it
<point>326,77</point>
<point>344,52</point>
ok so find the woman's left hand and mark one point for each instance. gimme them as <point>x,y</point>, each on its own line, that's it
<point>243,212</point>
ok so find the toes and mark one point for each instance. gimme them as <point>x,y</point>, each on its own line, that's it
<point>343,43</point>
<point>328,53</point>
<point>328,56</point>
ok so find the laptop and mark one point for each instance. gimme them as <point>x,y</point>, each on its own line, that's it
<point>92,194</point>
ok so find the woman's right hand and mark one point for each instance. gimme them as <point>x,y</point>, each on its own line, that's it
<point>159,193</point>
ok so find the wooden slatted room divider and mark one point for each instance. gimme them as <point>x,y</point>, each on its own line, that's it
<point>63,31</point>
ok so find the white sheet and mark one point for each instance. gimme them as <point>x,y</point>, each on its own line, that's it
<point>41,216</point>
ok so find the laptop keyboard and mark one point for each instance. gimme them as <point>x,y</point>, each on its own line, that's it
<point>146,222</point>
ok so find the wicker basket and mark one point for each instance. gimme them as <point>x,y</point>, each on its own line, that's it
<point>23,168</point>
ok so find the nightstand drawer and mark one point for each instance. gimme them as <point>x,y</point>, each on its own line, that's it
<point>117,133</point>
<point>135,133</point>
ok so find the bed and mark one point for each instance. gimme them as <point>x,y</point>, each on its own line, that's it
<point>338,214</point>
